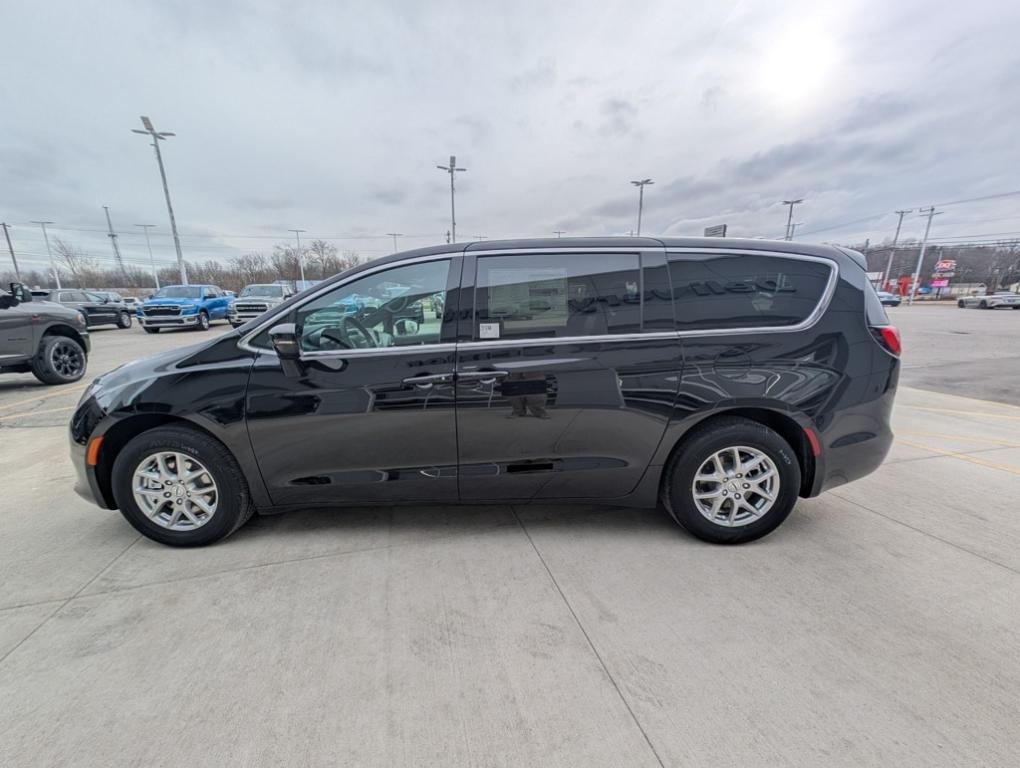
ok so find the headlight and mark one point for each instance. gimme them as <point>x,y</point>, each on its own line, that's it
<point>189,310</point>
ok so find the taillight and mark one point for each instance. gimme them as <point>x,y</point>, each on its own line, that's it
<point>890,338</point>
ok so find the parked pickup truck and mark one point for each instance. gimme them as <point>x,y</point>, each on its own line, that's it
<point>41,337</point>
<point>256,300</point>
<point>183,306</point>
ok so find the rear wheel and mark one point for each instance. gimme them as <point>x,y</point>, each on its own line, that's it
<point>960,304</point>
<point>179,486</point>
<point>150,330</point>
<point>59,360</point>
<point>124,320</point>
<point>732,481</point>
<point>983,305</point>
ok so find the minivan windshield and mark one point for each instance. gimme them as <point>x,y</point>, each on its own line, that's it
<point>269,291</point>
<point>178,292</point>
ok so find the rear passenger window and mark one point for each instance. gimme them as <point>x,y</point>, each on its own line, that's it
<point>559,295</point>
<point>744,291</point>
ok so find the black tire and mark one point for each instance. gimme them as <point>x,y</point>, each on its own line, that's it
<point>983,305</point>
<point>147,329</point>
<point>961,305</point>
<point>59,360</point>
<point>203,321</point>
<point>698,447</point>
<point>233,500</point>
<point>123,320</point>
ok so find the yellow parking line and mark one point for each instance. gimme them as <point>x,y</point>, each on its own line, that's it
<point>1010,417</point>
<point>57,393</point>
<point>26,414</point>
<point>963,457</point>
<point>1004,443</point>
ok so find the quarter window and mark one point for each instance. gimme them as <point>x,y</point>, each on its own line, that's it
<point>744,291</point>
<point>539,295</point>
<point>397,307</point>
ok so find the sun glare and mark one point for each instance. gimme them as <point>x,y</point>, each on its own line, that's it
<point>796,66</point>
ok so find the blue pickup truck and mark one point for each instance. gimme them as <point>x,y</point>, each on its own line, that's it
<point>183,306</point>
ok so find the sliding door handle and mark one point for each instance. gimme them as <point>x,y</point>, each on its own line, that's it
<point>428,380</point>
<point>486,377</point>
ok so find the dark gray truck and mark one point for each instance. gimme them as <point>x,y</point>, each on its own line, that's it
<point>41,337</point>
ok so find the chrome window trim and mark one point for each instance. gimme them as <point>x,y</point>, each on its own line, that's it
<point>243,341</point>
<point>810,320</point>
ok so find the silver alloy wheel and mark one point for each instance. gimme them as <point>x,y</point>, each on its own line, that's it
<point>174,490</point>
<point>736,486</point>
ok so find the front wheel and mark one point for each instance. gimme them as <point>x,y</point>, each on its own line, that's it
<point>961,305</point>
<point>203,321</point>
<point>124,320</point>
<point>181,487</point>
<point>150,330</point>
<point>732,481</point>
<point>59,360</point>
<point>983,305</point>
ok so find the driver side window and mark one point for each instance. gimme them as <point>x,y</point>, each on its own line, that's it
<point>402,306</point>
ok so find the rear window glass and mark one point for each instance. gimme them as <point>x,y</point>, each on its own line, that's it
<point>744,291</point>
<point>876,312</point>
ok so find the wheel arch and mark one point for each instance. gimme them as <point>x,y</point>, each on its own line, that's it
<point>780,422</point>
<point>123,431</point>
<point>60,329</point>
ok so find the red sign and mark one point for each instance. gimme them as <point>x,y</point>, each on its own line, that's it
<point>946,265</point>
<point>939,283</point>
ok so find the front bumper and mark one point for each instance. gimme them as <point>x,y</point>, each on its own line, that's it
<point>81,429</point>
<point>171,321</point>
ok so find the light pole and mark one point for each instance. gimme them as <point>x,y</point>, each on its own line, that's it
<point>300,254</point>
<point>158,136</point>
<point>930,212</point>
<point>152,261</point>
<point>452,169</point>
<point>17,272</point>
<point>789,219</point>
<point>53,268</point>
<point>892,248</point>
<point>641,200</point>
<point>395,235</point>
<point>793,228</point>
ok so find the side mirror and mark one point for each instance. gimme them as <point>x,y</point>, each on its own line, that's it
<point>285,341</point>
<point>20,292</point>
<point>405,326</point>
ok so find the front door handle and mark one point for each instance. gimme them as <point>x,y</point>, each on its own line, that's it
<point>428,380</point>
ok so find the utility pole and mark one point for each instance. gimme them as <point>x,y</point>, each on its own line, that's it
<point>892,248</point>
<point>158,136</point>
<point>641,200</point>
<point>300,254</point>
<point>930,212</point>
<point>447,237</point>
<point>789,219</point>
<point>152,261</point>
<point>479,237</point>
<point>113,239</point>
<point>395,235</point>
<point>559,232</point>
<point>10,248</point>
<point>46,237</point>
<point>452,169</point>
<point>793,228</point>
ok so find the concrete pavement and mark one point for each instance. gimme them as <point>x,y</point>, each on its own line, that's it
<point>878,626</point>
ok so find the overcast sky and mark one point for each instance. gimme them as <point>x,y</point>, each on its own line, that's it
<point>332,117</point>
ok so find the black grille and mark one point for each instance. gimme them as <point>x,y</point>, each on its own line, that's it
<point>247,307</point>
<point>162,311</point>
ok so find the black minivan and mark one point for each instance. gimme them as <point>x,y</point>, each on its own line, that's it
<point>720,378</point>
